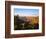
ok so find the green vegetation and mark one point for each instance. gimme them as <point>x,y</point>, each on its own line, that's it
<point>20,24</point>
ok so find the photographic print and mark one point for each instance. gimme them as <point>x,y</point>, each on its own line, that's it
<point>24,19</point>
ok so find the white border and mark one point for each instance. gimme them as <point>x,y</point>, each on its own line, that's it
<point>25,31</point>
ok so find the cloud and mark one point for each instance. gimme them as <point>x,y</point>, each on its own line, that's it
<point>24,14</point>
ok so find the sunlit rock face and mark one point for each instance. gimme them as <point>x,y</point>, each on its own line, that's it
<point>33,19</point>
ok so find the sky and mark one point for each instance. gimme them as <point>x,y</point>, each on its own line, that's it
<point>26,12</point>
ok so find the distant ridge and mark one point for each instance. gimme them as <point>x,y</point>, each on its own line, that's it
<point>27,16</point>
